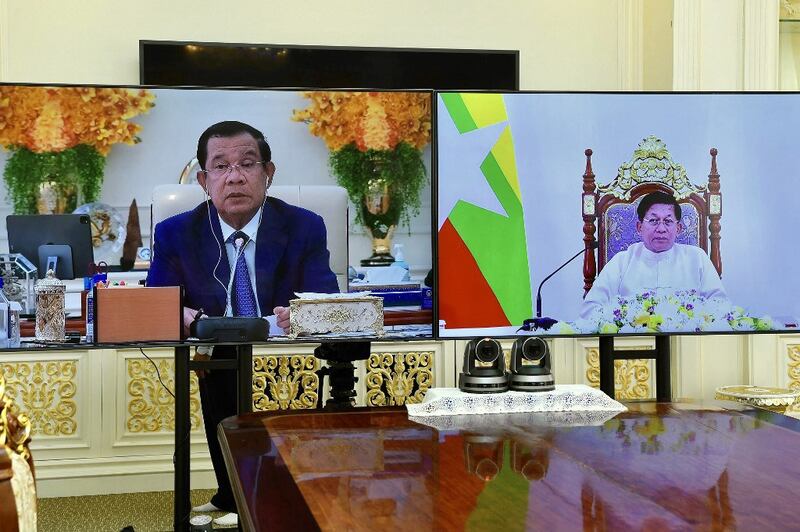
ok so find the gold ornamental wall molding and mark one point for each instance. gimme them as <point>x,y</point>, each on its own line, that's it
<point>793,372</point>
<point>793,366</point>
<point>150,408</point>
<point>45,391</point>
<point>631,377</point>
<point>398,378</point>
<point>790,9</point>
<point>282,382</point>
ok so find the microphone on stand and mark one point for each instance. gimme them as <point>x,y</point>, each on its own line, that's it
<point>228,328</point>
<point>239,244</point>
<point>545,323</point>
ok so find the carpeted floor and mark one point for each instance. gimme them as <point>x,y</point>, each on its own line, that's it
<point>145,512</point>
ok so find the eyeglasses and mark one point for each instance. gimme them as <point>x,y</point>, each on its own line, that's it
<point>653,222</point>
<point>247,168</point>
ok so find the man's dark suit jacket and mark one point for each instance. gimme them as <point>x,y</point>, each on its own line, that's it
<point>291,256</point>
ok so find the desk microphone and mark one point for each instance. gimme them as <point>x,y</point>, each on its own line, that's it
<point>545,323</point>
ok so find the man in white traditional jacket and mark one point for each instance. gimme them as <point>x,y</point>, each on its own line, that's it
<point>657,262</point>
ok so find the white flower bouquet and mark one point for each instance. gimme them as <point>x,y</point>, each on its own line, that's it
<point>655,311</point>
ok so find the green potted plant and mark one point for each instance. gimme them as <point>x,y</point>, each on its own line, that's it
<point>59,138</point>
<point>375,141</point>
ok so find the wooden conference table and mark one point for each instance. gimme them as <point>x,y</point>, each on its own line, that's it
<point>669,465</point>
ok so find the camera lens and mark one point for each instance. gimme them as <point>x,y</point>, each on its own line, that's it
<point>487,350</point>
<point>534,349</point>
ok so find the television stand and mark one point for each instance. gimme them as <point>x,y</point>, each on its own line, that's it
<point>661,354</point>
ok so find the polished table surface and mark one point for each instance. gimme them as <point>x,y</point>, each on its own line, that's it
<point>678,466</point>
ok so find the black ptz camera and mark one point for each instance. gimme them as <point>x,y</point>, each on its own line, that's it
<point>530,366</point>
<point>484,367</point>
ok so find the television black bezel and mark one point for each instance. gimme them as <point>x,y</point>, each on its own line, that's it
<point>149,42</point>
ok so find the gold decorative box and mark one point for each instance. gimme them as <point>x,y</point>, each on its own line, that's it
<point>335,313</point>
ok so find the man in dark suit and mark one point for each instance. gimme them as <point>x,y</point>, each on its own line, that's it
<point>240,253</point>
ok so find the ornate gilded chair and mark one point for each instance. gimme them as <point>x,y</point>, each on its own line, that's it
<point>17,488</point>
<point>614,205</point>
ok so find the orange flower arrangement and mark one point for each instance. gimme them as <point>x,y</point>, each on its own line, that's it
<point>375,139</point>
<point>370,120</point>
<point>61,135</point>
<point>52,119</point>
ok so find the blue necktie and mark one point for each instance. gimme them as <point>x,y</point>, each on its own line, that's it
<point>243,299</point>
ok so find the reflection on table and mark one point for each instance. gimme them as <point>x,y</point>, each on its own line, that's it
<point>660,465</point>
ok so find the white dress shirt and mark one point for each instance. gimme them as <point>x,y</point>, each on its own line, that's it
<point>251,230</point>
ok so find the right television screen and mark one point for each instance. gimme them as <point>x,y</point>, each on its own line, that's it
<point>616,213</point>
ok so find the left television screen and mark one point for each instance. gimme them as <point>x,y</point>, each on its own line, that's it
<point>341,179</point>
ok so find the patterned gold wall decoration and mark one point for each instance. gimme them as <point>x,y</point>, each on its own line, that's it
<point>398,378</point>
<point>45,392</point>
<point>793,366</point>
<point>631,377</point>
<point>150,407</point>
<point>793,370</point>
<point>285,382</point>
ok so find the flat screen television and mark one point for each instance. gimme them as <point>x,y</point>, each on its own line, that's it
<point>527,181</point>
<point>148,137</point>
<point>169,63</point>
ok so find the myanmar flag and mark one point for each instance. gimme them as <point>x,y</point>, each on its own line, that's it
<point>484,279</point>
